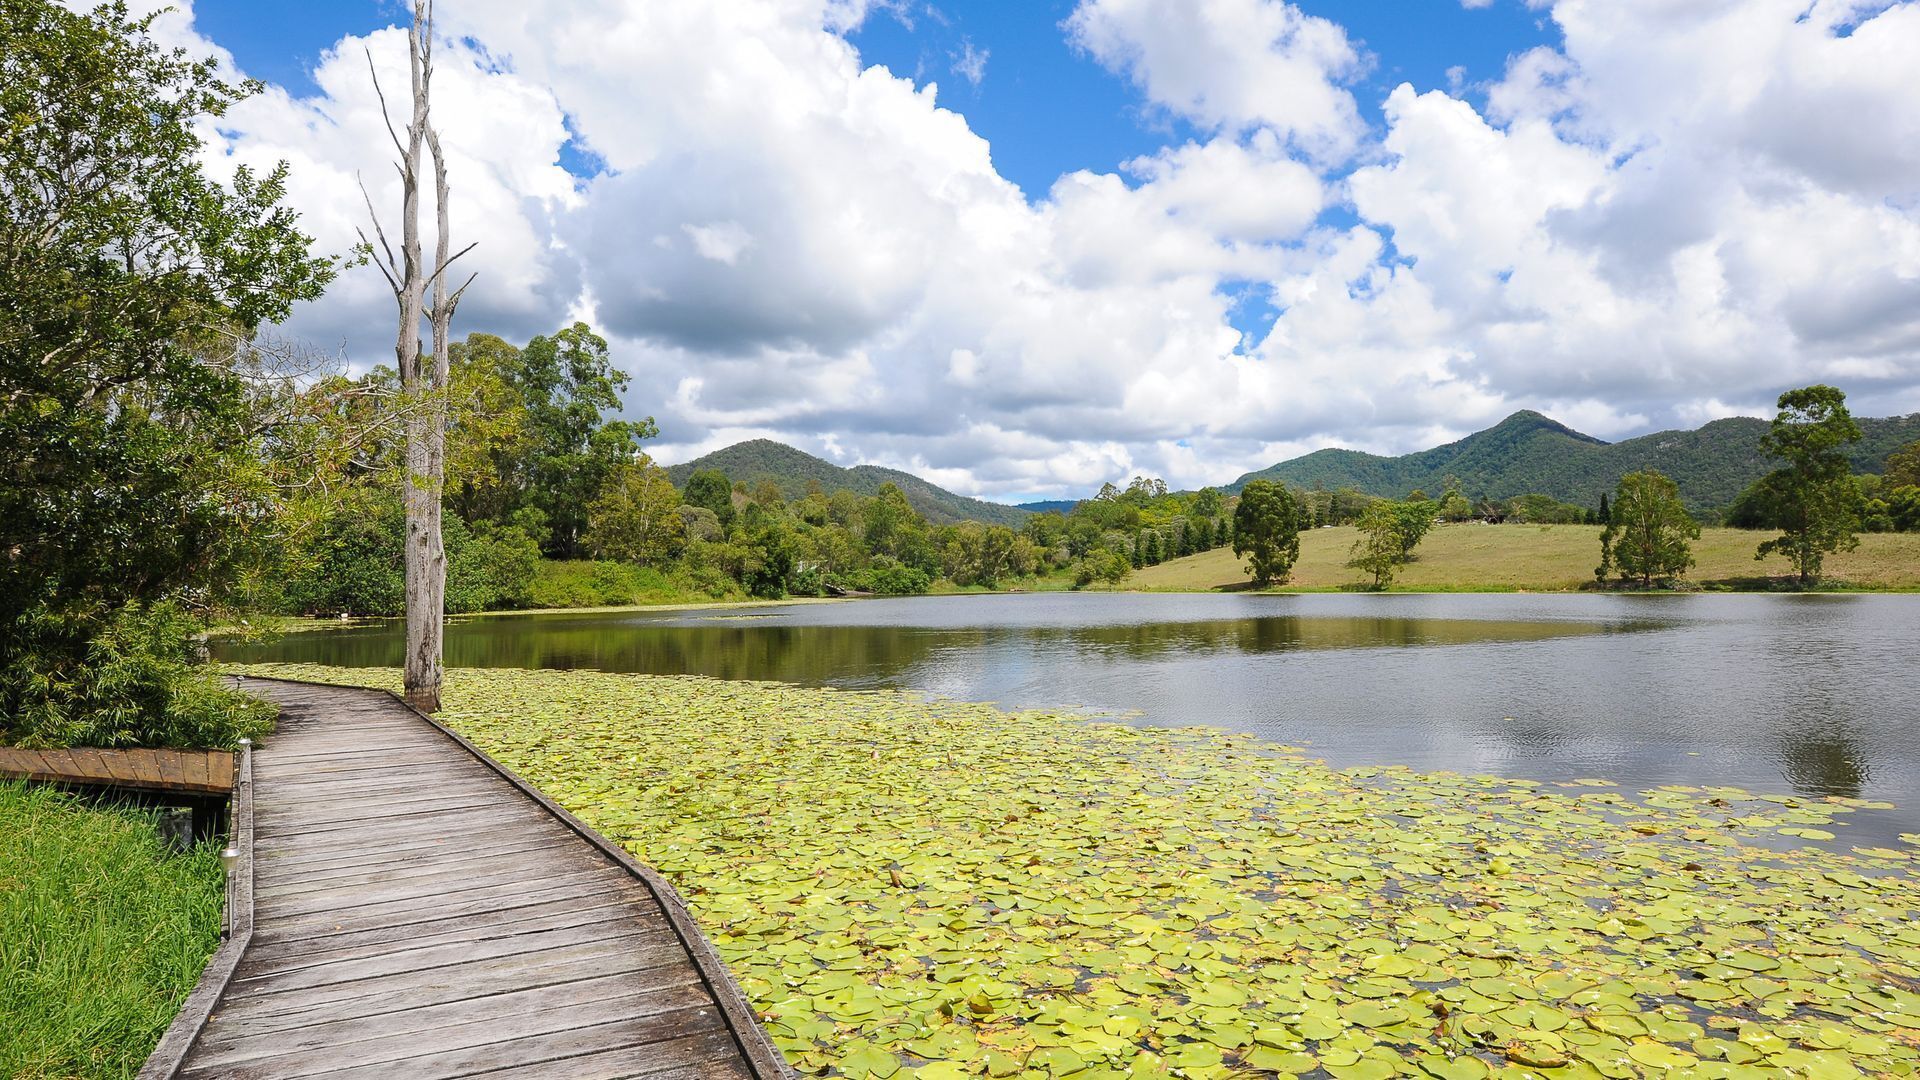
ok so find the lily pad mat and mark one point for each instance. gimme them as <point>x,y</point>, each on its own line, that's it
<point>908,888</point>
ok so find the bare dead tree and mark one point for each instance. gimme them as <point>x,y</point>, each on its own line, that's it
<point>423,379</point>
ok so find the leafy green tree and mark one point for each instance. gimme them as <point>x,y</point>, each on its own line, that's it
<point>770,553</point>
<point>895,529</point>
<point>1648,535</point>
<point>1266,530</point>
<point>568,383</point>
<point>636,517</point>
<point>1378,550</point>
<point>1811,495</point>
<point>1412,520</point>
<point>1903,467</point>
<point>130,286</point>
<point>1903,508</point>
<point>710,489</point>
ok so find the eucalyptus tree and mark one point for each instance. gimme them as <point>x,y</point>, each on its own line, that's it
<point>423,376</point>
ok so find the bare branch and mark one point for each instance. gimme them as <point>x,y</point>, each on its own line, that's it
<point>384,115</point>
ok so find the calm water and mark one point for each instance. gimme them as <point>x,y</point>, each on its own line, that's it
<point>1816,695</point>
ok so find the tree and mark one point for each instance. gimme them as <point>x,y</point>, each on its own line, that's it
<point>1378,550</point>
<point>636,517</point>
<point>1648,532</point>
<point>711,490</point>
<point>568,382</point>
<point>1811,495</point>
<point>1266,530</point>
<point>1412,520</point>
<point>423,376</point>
<point>131,287</point>
<point>1903,467</point>
<point>1605,516</point>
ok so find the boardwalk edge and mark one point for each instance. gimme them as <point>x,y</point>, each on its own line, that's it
<point>165,1061</point>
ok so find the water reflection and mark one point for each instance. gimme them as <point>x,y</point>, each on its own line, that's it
<point>1816,695</point>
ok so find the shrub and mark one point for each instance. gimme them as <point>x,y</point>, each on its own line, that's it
<point>135,684</point>
<point>889,577</point>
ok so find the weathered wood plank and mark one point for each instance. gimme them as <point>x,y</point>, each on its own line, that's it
<point>437,1030</point>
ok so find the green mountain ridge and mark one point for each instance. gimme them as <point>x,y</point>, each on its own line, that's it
<point>795,470</point>
<point>1528,453</point>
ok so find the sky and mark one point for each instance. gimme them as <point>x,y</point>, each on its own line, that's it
<point>1023,247</point>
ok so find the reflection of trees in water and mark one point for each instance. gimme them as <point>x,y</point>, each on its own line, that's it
<point>815,654</point>
<point>1825,762</point>
<point>1813,732</point>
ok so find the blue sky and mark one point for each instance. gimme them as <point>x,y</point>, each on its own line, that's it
<point>1045,108</point>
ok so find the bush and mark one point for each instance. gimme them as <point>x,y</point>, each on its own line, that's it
<point>574,583</point>
<point>493,567</point>
<point>888,577</point>
<point>135,683</point>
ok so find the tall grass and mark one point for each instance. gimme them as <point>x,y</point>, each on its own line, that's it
<point>103,931</point>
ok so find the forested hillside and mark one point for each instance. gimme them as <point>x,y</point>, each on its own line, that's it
<point>795,470</point>
<point>1528,453</point>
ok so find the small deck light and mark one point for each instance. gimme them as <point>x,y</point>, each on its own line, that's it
<point>228,857</point>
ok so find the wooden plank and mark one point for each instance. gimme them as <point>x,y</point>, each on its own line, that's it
<point>393,1037</point>
<point>60,763</point>
<point>88,762</point>
<point>694,1037</point>
<point>427,864</point>
<point>653,941</point>
<point>412,989</point>
<point>351,903</point>
<point>575,911</point>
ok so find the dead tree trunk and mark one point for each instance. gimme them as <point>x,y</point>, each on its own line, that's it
<point>423,378</point>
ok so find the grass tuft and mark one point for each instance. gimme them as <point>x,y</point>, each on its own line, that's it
<point>103,932</point>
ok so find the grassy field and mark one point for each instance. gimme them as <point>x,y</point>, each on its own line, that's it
<point>103,932</point>
<point>1534,558</point>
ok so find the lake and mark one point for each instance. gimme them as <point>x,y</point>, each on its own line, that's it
<point>1813,695</point>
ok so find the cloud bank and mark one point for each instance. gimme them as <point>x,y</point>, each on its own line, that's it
<point>1680,210</point>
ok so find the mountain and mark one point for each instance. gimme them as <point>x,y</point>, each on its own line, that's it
<point>795,470</point>
<point>1528,453</point>
<point>1046,506</point>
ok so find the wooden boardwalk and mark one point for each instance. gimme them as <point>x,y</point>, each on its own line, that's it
<point>196,772</point>
<point>417,912</point>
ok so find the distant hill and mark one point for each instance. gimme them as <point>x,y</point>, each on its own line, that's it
<point>794,470</point>
<point>1529,453</point>
<point>1049,506</point>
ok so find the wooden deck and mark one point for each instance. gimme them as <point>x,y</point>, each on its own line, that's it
<point>194,772</point>
<point>418,912</point>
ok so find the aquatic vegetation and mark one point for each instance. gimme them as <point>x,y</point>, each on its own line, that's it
<point>935,889</point>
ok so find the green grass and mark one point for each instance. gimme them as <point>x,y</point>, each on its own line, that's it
<point>1532,558</point>
<point>934,890</point>
<point>103,932</point>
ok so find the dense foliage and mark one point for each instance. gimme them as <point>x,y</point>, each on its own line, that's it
<point>956,891</point>
<point>129,282</point>
<point>103,931</point>
<point>1648,535</point>
<point>1266,530</point>
<point>1530,454</point>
